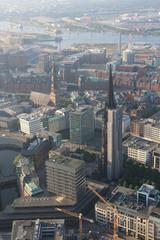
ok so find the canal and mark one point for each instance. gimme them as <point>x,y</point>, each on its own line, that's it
<point>7,195</point>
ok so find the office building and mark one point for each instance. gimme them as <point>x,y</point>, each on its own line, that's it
<point>156,159</point>
<point>136,219</point>
<point>30,124</point>
<point>147,195</point>
<point>137,127</point>
<point>66,177</point>
<point>139,149</point>
<point>44,63</point>
<point>128,56</point>
<point>112,130</point>
<point>81,125</point>
<point>57,123</point>
<point>60,121</point>
<point>152,131</point>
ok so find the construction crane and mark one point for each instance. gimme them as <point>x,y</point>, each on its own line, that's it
<point>115,212</point>
<point>76,215</point>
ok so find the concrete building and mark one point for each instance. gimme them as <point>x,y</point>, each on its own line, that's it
<point>10,123</point>
<point>81,125</point>
<point>152,131</point>
<point>66,177</point>
<point>30,124</point>
<point>156,159</point>
<point>139,149</point>
<point>147,195</point>
<point>44,63</point>
<point>60,121</point>
<point>57,123</point>
<point>112,159</point>
<point>135,219</point>
<point>137,127</point>
<point>128,56</point>
<point>38,229</point>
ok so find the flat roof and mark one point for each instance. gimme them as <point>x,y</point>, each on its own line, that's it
<point>138,143</point>
<point>25,229</point>
<point>61,160</point>
<point>45,201</point>
<point>82,109</point>
<point>126,199</point>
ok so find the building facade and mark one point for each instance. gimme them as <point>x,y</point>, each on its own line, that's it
<point>152,132</point>
<point>134,219</point>
<point>66,177</point>
<point>128,56</point>
<point>81,125</point>
<point>30,124</point>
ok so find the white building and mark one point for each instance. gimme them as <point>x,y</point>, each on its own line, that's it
<point>152,132</point>
<point>134,218</point>
<point>30,124</point>
<point>139,149</point>
<point>128,56</point>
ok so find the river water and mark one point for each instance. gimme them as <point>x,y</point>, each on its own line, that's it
<point>72,37</point>
<point>6,168</point>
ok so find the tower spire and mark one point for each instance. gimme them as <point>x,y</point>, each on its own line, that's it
<point>111,103</point>
<point>53,93</point>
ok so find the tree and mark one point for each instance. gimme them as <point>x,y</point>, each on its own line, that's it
<point>17,159</point>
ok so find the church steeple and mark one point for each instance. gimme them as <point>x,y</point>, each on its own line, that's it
<point>53,93</point>
<point>111,102</point>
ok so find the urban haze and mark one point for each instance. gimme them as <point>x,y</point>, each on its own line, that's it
<point>79,120</point>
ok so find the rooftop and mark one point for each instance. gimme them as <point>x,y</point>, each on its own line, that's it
<point>81,110</point>
<point>29,117</point>
<point>70,163</point>
<point>126,199</point>
<point>139,143</point>
<point>41,202</point>
<point>30,229</point>
<point>149,189</point>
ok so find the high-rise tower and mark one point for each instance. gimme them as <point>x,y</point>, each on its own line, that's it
<point>54,94</point>
<point>112,143</point>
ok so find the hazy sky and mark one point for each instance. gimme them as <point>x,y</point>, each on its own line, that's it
<point>112,4</point>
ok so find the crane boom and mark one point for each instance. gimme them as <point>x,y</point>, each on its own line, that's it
<point>76,215</point>
<point>100,197</point>
<point>115,212</point>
